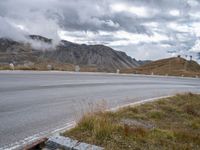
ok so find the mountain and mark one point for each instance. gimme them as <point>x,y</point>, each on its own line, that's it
<point>143,62</point>
<point>175,66</point>
<point>100,57</point>
<point>40,38</point>
<point>16,52</point>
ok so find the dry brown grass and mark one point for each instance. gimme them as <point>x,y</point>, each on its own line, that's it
<point>42,66</point>
<point>170,66</point>
<point>171,123</point>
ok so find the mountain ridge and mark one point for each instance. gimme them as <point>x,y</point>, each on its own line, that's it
<point>102,57</point>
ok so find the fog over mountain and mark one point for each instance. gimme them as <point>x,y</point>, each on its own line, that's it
<point>145,29</point>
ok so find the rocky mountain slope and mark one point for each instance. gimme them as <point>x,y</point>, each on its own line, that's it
<point>99,56</point>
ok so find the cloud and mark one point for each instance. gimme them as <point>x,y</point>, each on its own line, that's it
<point>196,47</point>
<point>132,25</point>
<point>174,12</point>
<point>147,51</point>
<point>9,31</point>
<point>138,11</point>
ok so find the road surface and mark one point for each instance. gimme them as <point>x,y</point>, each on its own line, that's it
<point>34,103</point>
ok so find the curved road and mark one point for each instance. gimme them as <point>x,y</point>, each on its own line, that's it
<point>34,103</point>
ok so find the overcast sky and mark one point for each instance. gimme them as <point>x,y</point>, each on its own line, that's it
<point>144,29</point>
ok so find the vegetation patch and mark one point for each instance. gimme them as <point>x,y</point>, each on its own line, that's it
<point>174,66</point>
<point>170,123</point>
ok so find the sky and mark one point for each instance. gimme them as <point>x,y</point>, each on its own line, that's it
<point>144,29</point>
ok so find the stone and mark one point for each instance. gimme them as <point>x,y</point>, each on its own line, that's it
<point>49,67</point>
<point>66,143</point>
<point>12,67</point>
<point>77,68</point>
<point>132,122</point>
<point>118,71</point>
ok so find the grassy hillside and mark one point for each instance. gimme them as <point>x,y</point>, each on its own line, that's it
<point>170,123</point>
<point>171,66</point>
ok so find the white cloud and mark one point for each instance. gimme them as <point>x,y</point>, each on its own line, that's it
<point>193,3</point>
<point>9,30</point>
<point>179,27</point>
<point>148,51</point>
<point>132,38</point>
<point>137,10</point>
<point>195,15</point>
<point>83,37</point>
<point>196,28</point>
<point>112,24</point>
<point>174,12</point>
<point>151,24</point>
<point>196,47</point>
<point>76,36</point>
<point>121,38</point>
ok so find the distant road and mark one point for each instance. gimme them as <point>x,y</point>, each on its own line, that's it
<point>34,102</point>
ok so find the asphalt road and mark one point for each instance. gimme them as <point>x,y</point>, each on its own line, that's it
<point>34,103</point>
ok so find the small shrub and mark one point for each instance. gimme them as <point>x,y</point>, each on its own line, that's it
<point>161,133</point>
<point>86,122</point>
<point>189,109</point>
<point>156,114</point>
<point>195,124</point>
<point>103,129</point>
<point>133,109</point>
<point>185,136</point>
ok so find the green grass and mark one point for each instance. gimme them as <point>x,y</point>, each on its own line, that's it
<point>171,123</point>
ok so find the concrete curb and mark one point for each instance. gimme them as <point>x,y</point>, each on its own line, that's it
<point>65,143</point>
<point>139,103</point>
